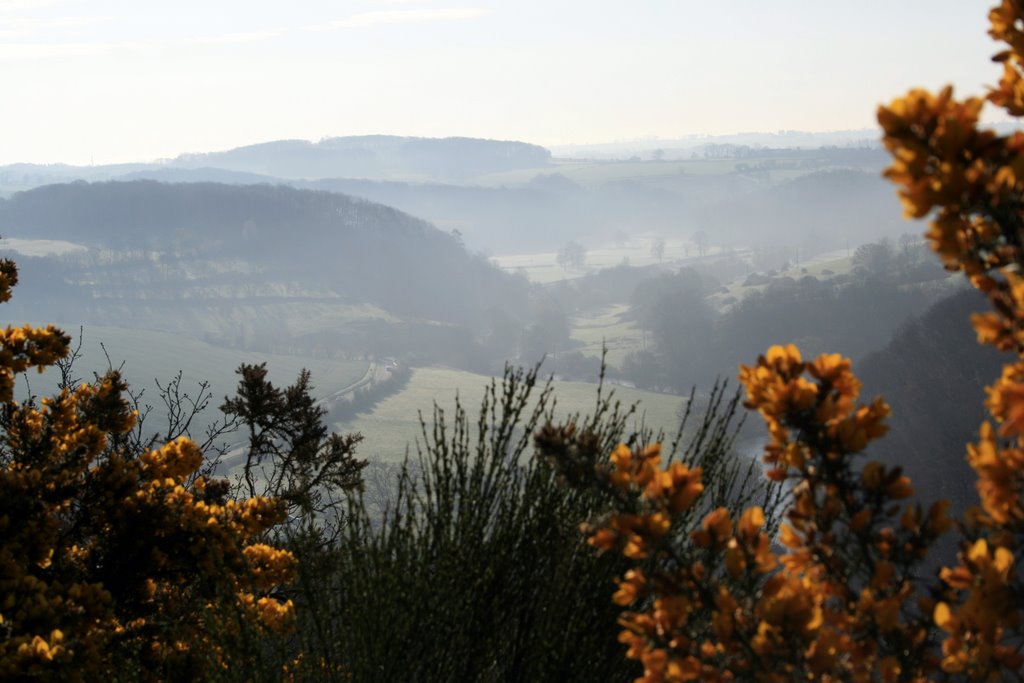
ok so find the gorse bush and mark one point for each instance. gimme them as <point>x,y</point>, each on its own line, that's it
<point>289,453</point>
<point>117,563</point>
<point>472,568</point>
<point>712,597</point>
<point>845,598</point>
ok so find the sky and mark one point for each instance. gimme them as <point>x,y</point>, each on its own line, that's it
<point>104,81</point>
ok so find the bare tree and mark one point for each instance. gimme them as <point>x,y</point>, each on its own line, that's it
<point>700,240</point>
<point>908,241</point>
<point>658,248</point>
<point>572,255</point>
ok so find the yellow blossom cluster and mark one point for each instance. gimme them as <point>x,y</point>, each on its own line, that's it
<point>970,181</point>
<point>27,347</point>
<point>115,563</point>
<point>662,493</point>
<point>711,598</point>
<point>840,594</point>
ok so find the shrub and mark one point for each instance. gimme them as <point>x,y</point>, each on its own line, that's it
<point>290,454</point>
<point>116,562</point>
<point>472,567</point>
<point>711,597</point>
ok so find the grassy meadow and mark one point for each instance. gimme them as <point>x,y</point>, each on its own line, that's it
<point>543,268</point>
<point>394,425</point>
<point>823,267</point>
<point>149,356</point>
<point>608,327</point>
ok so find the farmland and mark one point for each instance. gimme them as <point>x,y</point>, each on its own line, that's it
<point>394,423</point>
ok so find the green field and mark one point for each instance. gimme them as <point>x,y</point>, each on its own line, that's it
<point>394,423</point>
<point>607,327</point>
<point>240,322</point>
<point>389,428</point>
<point>543,268</point>
<point>149,356</point>
<point>836,262</point>
<point>600,172</point>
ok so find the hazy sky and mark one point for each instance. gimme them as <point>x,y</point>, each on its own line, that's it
<point>119,80</point>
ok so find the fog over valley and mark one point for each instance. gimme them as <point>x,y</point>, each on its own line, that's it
<point>464,255</point>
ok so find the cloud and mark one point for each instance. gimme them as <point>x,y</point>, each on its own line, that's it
<point>408,16</point>
<point>17,52</point>
<point>11,28</point>
<point>227,38</point>
<point>22,5</point>
<point>21,52</point>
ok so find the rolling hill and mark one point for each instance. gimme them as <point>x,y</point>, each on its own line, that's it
<point>165,251</point>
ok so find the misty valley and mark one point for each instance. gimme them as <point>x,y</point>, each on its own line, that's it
<point>414,344</point>
<point>689,261</point>
<point>565,383</point>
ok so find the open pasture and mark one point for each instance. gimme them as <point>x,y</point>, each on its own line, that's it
<point>393,425</point>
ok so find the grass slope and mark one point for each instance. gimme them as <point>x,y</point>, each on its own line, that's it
<point>607,327</point>
<point>394,423</point>
<point>149,356</point>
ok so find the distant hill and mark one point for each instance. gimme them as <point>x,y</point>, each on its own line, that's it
<point>512,197</point>
<point>817,211</point>
<point>166,174</point>
<point>375,156</point>
<point>209,244</point>
<point>683,147</point>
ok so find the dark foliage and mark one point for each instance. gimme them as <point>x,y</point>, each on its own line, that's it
<point>290,453</point>
<point>693,344</point>
<point>470,566</point>
<point>476,569</point>
<point>934,375</point>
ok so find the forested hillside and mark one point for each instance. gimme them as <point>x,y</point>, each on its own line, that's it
<point>360,250</point>
<point>934,375</point>
<point>180,254</point>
